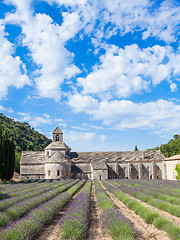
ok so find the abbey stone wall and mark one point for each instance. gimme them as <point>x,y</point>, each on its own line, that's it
<point>59,162</point>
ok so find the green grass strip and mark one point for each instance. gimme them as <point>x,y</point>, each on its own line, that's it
<point>148,215</point>
<point>115,222</point>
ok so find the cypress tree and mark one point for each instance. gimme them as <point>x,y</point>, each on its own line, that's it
<point>7,157</point>
<point>1,159</point>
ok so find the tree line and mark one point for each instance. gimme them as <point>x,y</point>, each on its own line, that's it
<point>7,156</point>
<point>25,138</point>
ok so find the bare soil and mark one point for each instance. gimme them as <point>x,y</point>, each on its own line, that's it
<point>95,230</point>
<point>173,219</point>
<point>143,230</point>
<point>52,230</point>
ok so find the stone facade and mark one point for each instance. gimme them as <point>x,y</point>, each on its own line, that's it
<point>59,162</point>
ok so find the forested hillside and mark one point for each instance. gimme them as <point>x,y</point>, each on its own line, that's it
<point>171,148</point>
<point>25,138</point>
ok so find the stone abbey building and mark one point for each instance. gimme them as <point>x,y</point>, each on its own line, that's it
<point>57,161</point>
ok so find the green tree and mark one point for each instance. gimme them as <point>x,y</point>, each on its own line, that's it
<point>7,156</point>
<point>177,168</point>
<point>136,148</point>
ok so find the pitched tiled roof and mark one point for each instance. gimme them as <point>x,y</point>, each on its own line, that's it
<point>30,157</point>
<point>57,130</point>
<point>121,156</point>
<point>57,157</point>
<point>57,146</point>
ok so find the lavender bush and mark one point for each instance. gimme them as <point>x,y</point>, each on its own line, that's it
<point>28,226</point>
<point>148,215</point>
<point>161,204</point>
<point>115,222</point>
<point>75,221</point>
<point>19,209</point>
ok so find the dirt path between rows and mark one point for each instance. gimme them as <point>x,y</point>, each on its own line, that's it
<point>144,231</point>
<point>95,231</point>
<point>175,220</point>
<point>52,230</point>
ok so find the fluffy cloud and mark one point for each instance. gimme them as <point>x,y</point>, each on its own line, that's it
<point>99,19</point>
<point>35,121</point>
<point>124,16</point>
<point>127,71</point>
<point>161,115</point>
<point>84,141</point>
<point>45,41</point>
<point>12,69</point>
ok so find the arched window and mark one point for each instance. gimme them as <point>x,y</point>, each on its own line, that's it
<point>49,173</point>
<point>57,138</point>
<point>58,173</point>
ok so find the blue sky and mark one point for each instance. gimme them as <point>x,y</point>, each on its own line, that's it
<point>106,72</point>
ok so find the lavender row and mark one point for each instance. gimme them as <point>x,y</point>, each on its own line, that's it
<point>167,207</point>
<point>163,185</point>
<point>118,226</point>
<point>10,201</point>
<point>20,208</point>
<point>75,221</point>
<point>148,215</point>
<point>156,193</point>
<point>31,224</point>
<point>15,191</point>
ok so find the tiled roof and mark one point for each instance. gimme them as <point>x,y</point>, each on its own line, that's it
<point>57,130</point>
<point>57,146</point>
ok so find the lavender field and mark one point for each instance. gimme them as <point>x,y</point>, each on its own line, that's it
<point>106,209</point>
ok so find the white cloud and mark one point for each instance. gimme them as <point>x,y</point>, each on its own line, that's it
<point>10,66</point>
<point>35,121</point>
<point>161,115</point>
<point>61,122</point>
<point>173,87</point>
<point>45,42</point>
<point>2,108</point>
<point>123,72</point>
<point>80,103</point>
<point>86,141</point>
<point>46,115</point>
<point>124,16</point>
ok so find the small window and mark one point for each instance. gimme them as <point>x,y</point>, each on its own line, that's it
<point>100,177</point>
<point>124,168</point>
<point>49,173</point>
<point>157,176</point>
<point>174,175</point>
<point>57,138</point>
<point>47,153</point>
<point>148,168</point>
<point>58,173</point>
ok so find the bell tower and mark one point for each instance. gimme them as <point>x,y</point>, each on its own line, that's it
<point>57,135</point>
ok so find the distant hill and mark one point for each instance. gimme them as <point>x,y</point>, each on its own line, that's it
<point>171,148</point>
<point>25,137</point>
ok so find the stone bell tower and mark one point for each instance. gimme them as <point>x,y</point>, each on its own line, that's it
<point>57,135</point>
